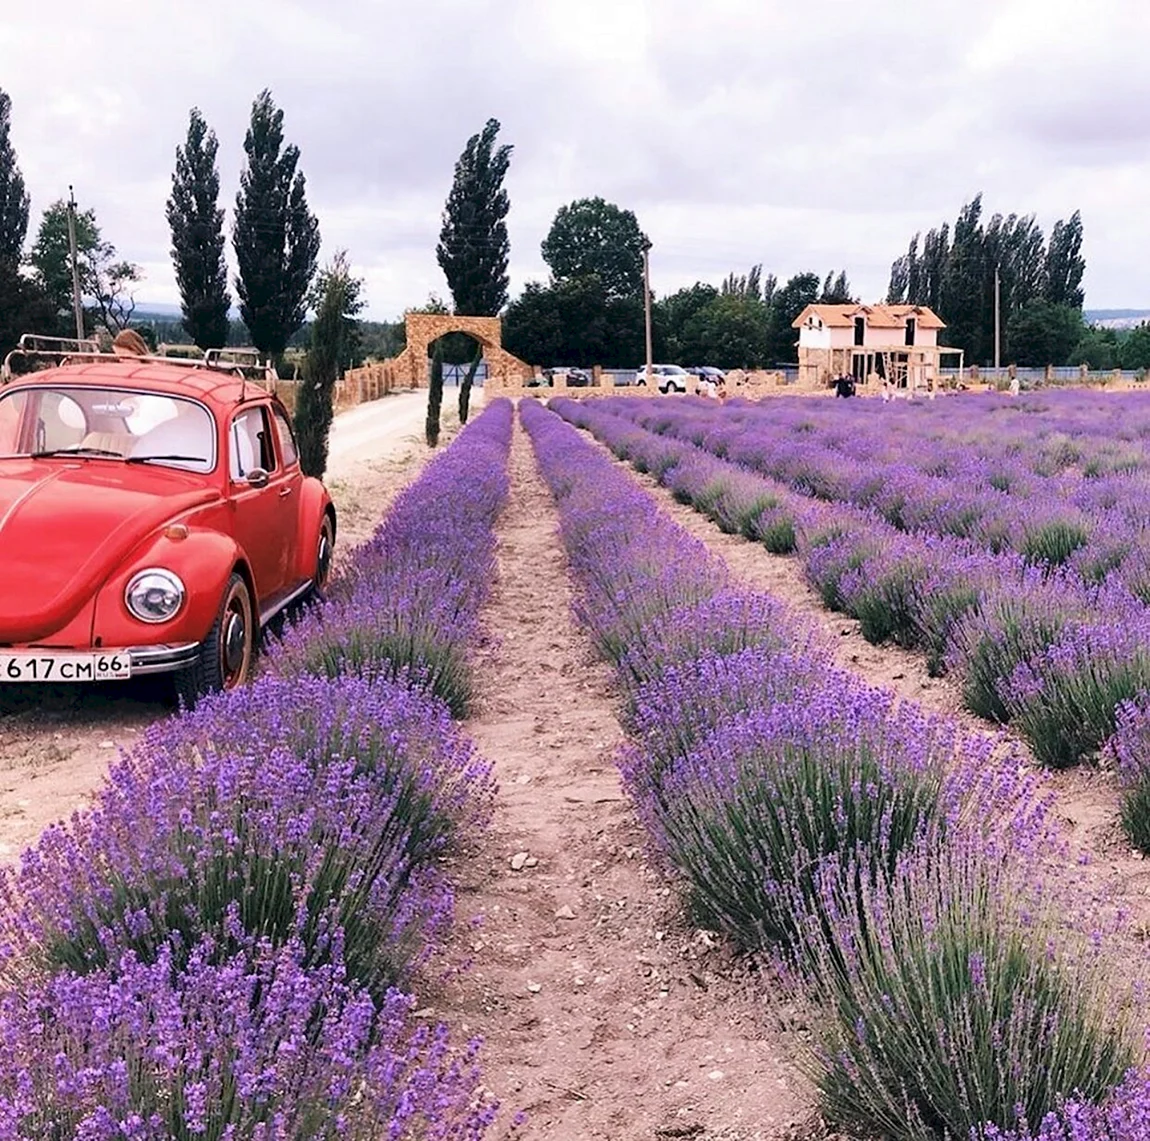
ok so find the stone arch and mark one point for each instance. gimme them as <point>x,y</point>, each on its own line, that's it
<point>425,328</point>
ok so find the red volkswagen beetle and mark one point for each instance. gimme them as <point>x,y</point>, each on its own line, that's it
<point>153,518</point>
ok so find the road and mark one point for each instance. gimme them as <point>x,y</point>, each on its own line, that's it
<point>371,431</point>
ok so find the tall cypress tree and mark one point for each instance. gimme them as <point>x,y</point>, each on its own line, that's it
<point>334,339</point>
<point>276,237</point>
<point>197,225</point>
<point>1064,264</point>
<point>473,244</point>
<point>14,200</point>
<point>24,306</point>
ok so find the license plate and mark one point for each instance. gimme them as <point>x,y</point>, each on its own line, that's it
<point>28,667</point>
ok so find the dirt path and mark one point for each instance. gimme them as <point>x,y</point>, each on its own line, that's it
<point>56,742</point>
<point>1086,798</point>
<point>604,1016</point>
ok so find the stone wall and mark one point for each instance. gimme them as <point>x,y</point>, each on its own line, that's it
<point>410,367</point>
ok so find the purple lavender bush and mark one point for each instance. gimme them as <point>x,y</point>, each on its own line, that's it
<point>410,602</point>
<point>253,1046</point>
<point>1129,747</point>
<point>687,702</point>
<point>1123,1116</point>
<point>832,775</point>
<point>1010,626</point>
<point>1063,698</point>
<point>952,998</point>
<point>308,810</point>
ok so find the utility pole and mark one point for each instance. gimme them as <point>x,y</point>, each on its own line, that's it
<point>647,306</point>
<point>997,321</point>
<point>78,310</point>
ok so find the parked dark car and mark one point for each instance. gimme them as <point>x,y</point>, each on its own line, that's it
<point>576,377</point>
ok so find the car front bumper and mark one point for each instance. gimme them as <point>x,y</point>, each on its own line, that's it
<point>162,659</point>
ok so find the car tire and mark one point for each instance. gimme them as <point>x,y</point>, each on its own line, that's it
<point>228,653</point>
<point>325,547</point>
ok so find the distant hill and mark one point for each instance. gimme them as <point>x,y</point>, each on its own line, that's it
<point>154,310</point>
<point>1116,318</point>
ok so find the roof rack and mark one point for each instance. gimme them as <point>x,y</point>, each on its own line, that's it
<point>44,351</point>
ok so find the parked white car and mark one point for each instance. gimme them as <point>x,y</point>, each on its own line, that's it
<point>668,377</point>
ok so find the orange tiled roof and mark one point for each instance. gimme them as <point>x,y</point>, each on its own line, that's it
<point>877,316</point>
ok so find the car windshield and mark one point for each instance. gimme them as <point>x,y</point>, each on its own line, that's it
<point>116,424</point>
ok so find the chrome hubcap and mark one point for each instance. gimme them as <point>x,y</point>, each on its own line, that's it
<point>235,641</point>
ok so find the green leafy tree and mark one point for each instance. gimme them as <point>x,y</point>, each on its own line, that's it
<point>51,258</point>
<point>473,244</point>
<point>965,285</point>
<point>197,225</point>
<point>334,342</point>
<point>575,323</point>
<point>434,396</point>
<point>728,332</point>
<point>1097,349</point>
<point>789,301</point>
<point>276,237</point>
<point>954,273</point>
<point>671,315</point>
<point>106,280</point>
<point>1042,334</point>
<point>1134,351</point>
<point>594,238</point>
<point>1065,264</point>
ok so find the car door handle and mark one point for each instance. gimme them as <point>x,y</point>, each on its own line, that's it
<point>285,492</point>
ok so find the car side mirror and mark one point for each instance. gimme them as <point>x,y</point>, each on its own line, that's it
<point>257,477</point>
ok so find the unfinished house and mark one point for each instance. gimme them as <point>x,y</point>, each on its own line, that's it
<point>872,343</point>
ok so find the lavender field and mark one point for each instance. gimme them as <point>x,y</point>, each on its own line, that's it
<point>237,940</point>
<point>223,946</point>
<point>1005,539</point>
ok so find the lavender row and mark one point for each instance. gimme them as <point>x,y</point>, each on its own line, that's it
<point>222,946</point>
<point>411,599</point>
<point>1042,650</point>
<point>890,865</point>
<point>936,480</point>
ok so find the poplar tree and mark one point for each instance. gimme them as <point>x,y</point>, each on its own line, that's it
<point>14,200</point>
<point>334,340</point>
<point>473,244</point>
<point>1064,264</point>
<point>197,225</point>
<point>276,236</point>
<point>23,305</point>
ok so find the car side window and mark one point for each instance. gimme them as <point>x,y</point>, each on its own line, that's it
<point>287,439</point>
<point>251,443</point>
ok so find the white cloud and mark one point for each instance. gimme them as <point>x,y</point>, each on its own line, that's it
<point>805,136</point>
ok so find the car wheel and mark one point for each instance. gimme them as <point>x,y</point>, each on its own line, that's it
<point>228,653</point>
<point>325,548</point>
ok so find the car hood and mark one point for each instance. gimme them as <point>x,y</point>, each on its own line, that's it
<point>66,526</point>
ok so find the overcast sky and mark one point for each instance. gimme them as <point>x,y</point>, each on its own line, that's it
<point>803,134</point>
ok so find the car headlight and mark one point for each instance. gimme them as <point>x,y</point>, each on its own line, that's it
<point>155,595</point>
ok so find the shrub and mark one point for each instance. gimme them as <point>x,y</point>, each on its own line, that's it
<point>1063,698</point>
<point>1130,748</point>
<point>255,1047</point>
<point>408,605</point>
<point>830,776</point>
<point>1123,1116</point>
<point>1012,624</point>
<point>306,811</point>
<point>952,996</point>
<point>672,715</point>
